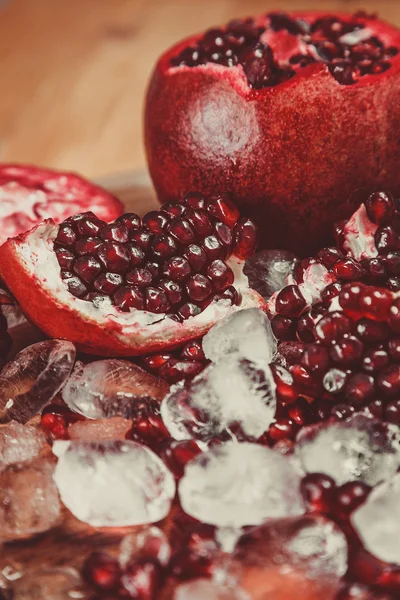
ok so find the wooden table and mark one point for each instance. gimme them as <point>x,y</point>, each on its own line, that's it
<point>74,72</point>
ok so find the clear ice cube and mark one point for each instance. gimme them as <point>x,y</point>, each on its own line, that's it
<point>377,521</point>
<point>62,583</point>
<point>113,483</point>
<point>19,443</point>
<point>111,387</point>
<point>268,270</point>
<point>205,589</point>
<point>29,502</point>
<point>238,484</point>
<point>229,395</point>
<point>311,543</point>
<point>247,332</point>
<point>33,378</point>
<point>360,448</point>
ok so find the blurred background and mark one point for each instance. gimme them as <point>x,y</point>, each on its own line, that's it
<point>74,72</point>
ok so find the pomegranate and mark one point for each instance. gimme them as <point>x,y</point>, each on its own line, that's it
<point>134,286</point>
<point>30,194</point>
<point>270,109</point>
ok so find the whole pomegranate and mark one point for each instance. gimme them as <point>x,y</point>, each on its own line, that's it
<point>290,113</point>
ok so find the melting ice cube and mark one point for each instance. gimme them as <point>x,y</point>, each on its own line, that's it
<point>238,484</point>
<point>19,443</point>
<point>113,483</point>
<point>233,392</point>
<point>29,502</point>
<point>247,332</point>
<point>360,448</point>
<point>33,378</point>
<point>377,521</point>
<point>108,388</point>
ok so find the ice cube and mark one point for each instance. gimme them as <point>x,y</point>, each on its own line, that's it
<point>29,502</point>
<point>205,589</point>
<point>19,443</point>
<point>268,270</point>
<point>247,332</point>
<point>111,387</point>
<point>238,484</point>
<point>114,428</point>
<point>377,521</point>
<point>61,583</point>
<point>113,483</point>
<point>310,543</point>
<point>360,448</point>
<point>33,378</point>
<point>229,395</point>
<point>149,542</point>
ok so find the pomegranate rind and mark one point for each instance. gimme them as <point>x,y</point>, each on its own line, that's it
<point>29,194</point>
<point>285,153</point>
<point>30,268</point>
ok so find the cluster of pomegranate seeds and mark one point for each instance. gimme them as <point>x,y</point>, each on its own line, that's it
<point>56,419</point>
<point>177,365</point>
<point>172,261</point>
<point>339,44</point>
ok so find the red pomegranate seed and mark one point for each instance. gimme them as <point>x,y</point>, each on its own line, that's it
<point>332,327</point>
<point>88,225</point>
<point>214,248</point>
<point>188,310</point>
<point>348,269</point>
<point>283,328</point>
<point>176,369</point>
<point>347,351</point>
<point>128,297</point>
<point>334,381</point>
<point>66,236</point>
<point>156,221</point>
<point>154,362</point>
<point>173,208</point>
<point>386,239</point>
<point>176,455</point>
<point>360,388</point>
<point>87,246</point>
<point>316,358</point>
<point>245,238</point>
<point>286,391</point>
<point>182,231</point>
<point>388,380</point>
<point>114,257</point>
<point>177,269</point>
<point>114,232</point>
<point>173,291</point>
<point>199,221</point>
<point>196,257</point>
<point>142,239</point>
<point>282,429</point>
<point>220,274</point>
<point>318,492</point>
<point>108,283</point>
<point>329,256</point>
<point>372,332</point>
<point>348,497</point>
<point>87,268</point>
<point>195,200</point>
<point>131,221</point>
<point>75,286</point>
<point>198,287</point>
<point>136,255</point>
<point>380,207</point>
<point>55,425</point>
<point>290,301</point>
<point>223,209</point>
<point>102,572</point>
<point>375,303</point>
<point>156,300</point>
<point>65,258</point>
<point>141,277</point>
<point>163,246</point>
<point>391,412</point>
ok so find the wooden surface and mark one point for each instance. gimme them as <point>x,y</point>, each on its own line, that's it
<point>74,72</point>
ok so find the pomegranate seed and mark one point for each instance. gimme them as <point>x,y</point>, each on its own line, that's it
<point>224,234</point>
<point>290,301</point>
<point>374,360</point>
<point>173,208</point>
<point>108,283</point>
<point>102,572</point>
<point>392,262</point>
<point>128,297</point>
<point>380,207</point>
<point>282,429</point>
<point>347,351</point>
<point>348,269</point>
<point>329,256</point>
<point>114,257</point>
<point>89,225</point>
<point>245,238</point>
<point>55,425</point>
<point>331,327</point>
<point>317,491</point>
<point>176,455</point>
<point>173,291</point>
<point>348,497</point>
<point>154,362</point>
<point>87,246</point>
<point>182,231</point>
<point>156,300</point>
<point>198,287</point>
<point>141,277</point>
<point>75,286</point>
<point>65,258</point>
<point>130,220</point>
<point>214,248</point>
<point>142,239</point>
<point>394,315</point>
<point>136,255</point>
<point>193,351</point>
<point>188,310</point>
<point>360,388</point>
<point>195,200</point>
<point>307,321</point>
<point>375,303</point>
<point>372,332</point>
<point>196,257</point>
<point>285,389</point>
<point>386,239</point>
<point>199,221</point>
<point>223,209</point>
<point>316,358</point>
<point>389,380</point>
<point>220,274</point>
<point>283,328</point>
<point>334,381</point>
<point>349,296</point>
<point>114,232</point>
<point>156,221</point>
<point>87,268</point>
<point>66,236</point>
<point>177,269</point>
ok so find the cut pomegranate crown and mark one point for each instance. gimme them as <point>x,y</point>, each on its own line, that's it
<point>276,47</point>
<point>171,261</point>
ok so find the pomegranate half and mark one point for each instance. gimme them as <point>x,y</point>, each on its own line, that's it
<point>290,113</point>
<point>136,285</point>
<point>30,194</point>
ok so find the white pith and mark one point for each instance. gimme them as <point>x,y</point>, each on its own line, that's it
<point>35,252</point>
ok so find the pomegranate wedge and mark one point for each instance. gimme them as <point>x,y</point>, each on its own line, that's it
<point>30,194</point>
<point>288,112</point>
<point>133,286</point>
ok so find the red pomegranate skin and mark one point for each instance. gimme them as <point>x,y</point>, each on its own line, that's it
<point>291,155</point>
